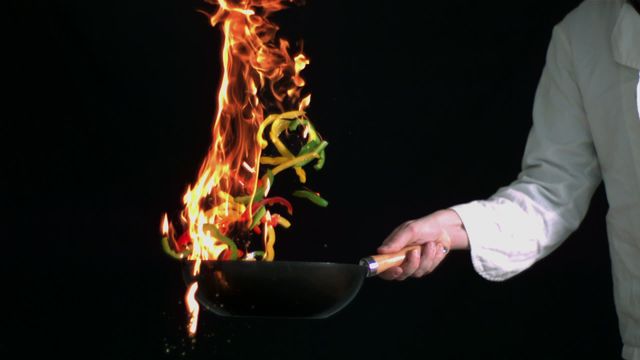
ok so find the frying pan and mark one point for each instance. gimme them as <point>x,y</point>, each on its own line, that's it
<point>283,289</point>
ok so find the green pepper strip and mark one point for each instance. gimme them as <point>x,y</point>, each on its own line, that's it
<point>308,147</point>
<point>320,162</point>
<point>270,176</point>
<point>259,195</point>
<point>294,124</point>
<point>257,217</point>
<point>318,151</point>
<point>168,250</point>
<point>218,235</point>
<point>244,199</point>
<point>311,196</point>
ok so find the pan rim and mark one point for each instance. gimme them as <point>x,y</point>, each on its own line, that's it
<point>274,263</point>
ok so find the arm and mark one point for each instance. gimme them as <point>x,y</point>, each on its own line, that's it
<point>526,220</point>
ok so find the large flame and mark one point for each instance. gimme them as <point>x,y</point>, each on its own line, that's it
<point>259,76</point>
<point>226,208</point>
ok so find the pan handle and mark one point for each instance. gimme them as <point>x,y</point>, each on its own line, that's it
<point>379,263</point>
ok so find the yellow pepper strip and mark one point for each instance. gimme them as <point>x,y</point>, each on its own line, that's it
<point>294,162</point>
<point>291,115</point>
<point>284,222</point>
<point>269,252</point>
<point>224,195</point>
<point>302,175</point>
<point>271,118</point>
<point>273,160</point>
<point>276,129</point>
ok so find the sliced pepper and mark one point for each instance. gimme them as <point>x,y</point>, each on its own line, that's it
<point>169,251</point>
<point>274,200</point>
<point>320,163</point>
<point>220,237</point>
<point>257,216</point>
<point>311,196</point>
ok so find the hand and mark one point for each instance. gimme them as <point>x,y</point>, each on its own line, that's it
<point>438,233</point>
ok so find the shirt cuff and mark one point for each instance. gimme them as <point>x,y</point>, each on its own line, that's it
<point>483,233</point>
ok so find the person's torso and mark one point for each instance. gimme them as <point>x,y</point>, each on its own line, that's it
<point>605,40</point>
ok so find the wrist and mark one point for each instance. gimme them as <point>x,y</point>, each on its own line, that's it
<point>451,222</point>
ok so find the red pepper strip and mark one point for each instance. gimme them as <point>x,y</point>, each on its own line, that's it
<point>257,230</point>
<point>183,240</point>
<point>274,200</point>
<point>274,220</point>
<point>268,201</point>
<point>226,254</point>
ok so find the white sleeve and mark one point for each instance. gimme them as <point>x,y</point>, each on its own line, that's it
<point>528,219</point>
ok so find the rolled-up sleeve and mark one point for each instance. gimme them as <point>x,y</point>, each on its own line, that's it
<point>528,219</point>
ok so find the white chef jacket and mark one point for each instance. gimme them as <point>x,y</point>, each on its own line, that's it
<point>586,128</point>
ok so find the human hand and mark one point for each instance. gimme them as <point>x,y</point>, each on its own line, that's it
<point>436,233</point>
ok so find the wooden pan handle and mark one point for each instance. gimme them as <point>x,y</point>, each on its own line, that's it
<point>380,263</point>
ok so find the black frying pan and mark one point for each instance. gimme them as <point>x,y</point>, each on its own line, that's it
<point>283,289</point>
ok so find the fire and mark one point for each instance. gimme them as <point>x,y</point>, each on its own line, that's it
<point>165,225</point>
<point>259,76</point>
<point>192,307</point>
<point>226,211</point>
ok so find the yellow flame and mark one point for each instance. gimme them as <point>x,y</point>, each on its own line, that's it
<point>165,225</point>
<point>304,103</point>
<point>193,308</point>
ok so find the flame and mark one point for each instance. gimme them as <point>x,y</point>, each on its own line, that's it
<point>259,76</point>
<point>165,225</point>
<point>193,308</point>
<point>305,103</point>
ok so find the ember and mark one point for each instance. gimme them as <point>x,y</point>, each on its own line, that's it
<point>228,213</point>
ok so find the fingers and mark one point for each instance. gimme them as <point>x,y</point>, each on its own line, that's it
<point>398,239</point>
<point>433,254</point>
<point>426,260</point>
<point>391,274</point>
<point>418,265</point>
<point>410,264</point>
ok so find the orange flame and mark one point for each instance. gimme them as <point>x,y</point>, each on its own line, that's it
<point>259,76</point>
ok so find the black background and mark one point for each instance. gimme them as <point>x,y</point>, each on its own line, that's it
<point>425,105</point>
